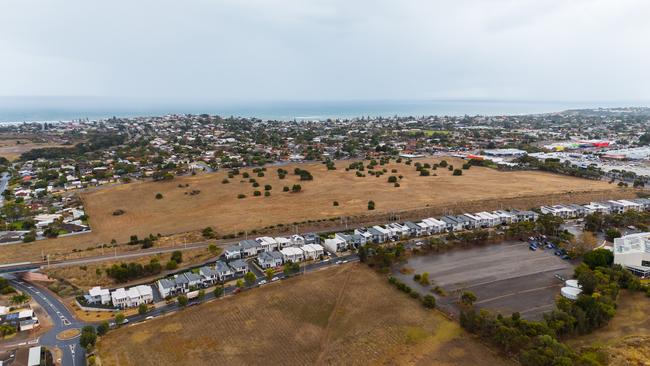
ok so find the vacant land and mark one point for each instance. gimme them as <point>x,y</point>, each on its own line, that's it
<point>12,148</point>
<point>627,337</point>
<point>345,315</point>
<point>216,204</point>
<point>505,278</point>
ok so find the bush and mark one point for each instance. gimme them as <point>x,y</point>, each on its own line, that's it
<point>143,309</point>
<point>392,179</point>
<point>257,193</point>
<point>285,189</point>
<point>171,265</point>
<point>371,205</point>
<point>88,337</point>
<point>241,195</point>
<point>245,175</point>
<point>267,187</point>
<point>267,194</point>
<point>296,188</point>
<point>429,301</point>
<point>225,181</point>
<point>458,172</point>
<point>182,300</point>
<point>177,256</point>
<point>335,203</point>
<point>159,196</point>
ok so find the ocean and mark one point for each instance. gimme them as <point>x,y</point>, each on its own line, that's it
<point>55,109</point>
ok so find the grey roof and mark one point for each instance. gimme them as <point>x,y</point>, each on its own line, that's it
<point>192,277</point>
<point>412,225</point>
<point>270,256</point>
<point>238,264</point>
<point>167,283</point>
<point>249,243</point>
<point>181,279</point>
<point>221,267</point>
<point>357,237</point>
<point>462,218</point>
<point>233,248</point>
<point>374,231</point>
<point>207,271</point>
<point>450,220</point>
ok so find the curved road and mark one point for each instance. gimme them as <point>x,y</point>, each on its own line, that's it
<point>62,319</point>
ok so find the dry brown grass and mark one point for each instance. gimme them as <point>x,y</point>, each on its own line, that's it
<point>217,204</point>
<point>346,315</point>
<point>11,150</point>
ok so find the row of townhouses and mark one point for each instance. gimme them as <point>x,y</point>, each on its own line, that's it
<point>205,276</point>
<point>120,297</point>
<point>604,207</point>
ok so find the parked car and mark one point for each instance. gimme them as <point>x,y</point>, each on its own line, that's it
<point>274,279</point>
<point>262,282</point>
<point>532,247</point>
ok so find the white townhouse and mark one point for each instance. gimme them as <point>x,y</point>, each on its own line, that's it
<point>379,234</point>
<point>633,252</point>
<point>297,240</point>
<point>224,272</point>
<point>119,298</point>
<point>630,206</point>
<point>138,295</point>
<point>436,225</point>
<point>270,259</point>
<point>283,242</point>
<point>559,211</point>
<point>490,219</point>
<point>98,295</point>
<point>336,244</point>
<point>312,251</point>
<point>363,232</point>
<point>208,275</point>
<point>505,216</point>
<point>414,229</point>
<point>292,254</point>
<point>595,207</point>
<point>268,243</point>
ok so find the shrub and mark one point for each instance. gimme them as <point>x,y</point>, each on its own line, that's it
<point>267,187</point>
<point>225,181</point>
<point>335,203</point>
<point>457,172</point>
<point>245,175</point>
<point>371,205</point>
<point>257,193</point>
<point>267,194</point>
<point>285,189</point>
<point>241,195</point>
<point>159,196</point>
<point>392,179</point>
<point>296,188</point>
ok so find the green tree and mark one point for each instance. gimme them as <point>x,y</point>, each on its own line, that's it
<point>612,234</point>
<point>208,232</point>
<point>177,256</point>
<point>468,298</point>
<point>588,281</point>
<point>201,295</point>
<point>249,277</point>
<point>213,249</point>
<point>599,258</point>
<point>429,301</point>
<point>119,318</point>
<point>171,265</point>
<point>103,328</point>
<point>88,337</point>
<point>143,309</point>
<point>182,300</point>
<point>269,273</point>
<point>239,283</point>
<point>20,299</point>
<point>218,291</point>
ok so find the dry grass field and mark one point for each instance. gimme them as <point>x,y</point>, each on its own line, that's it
<point>11,149</point>
<point>217,204</point>
<point>627,337</point>
<point>340,316</point>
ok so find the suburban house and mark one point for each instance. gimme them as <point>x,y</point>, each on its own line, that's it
<point>596,207</point>
<point>267,243</point>
<point>633,252</point>
<point>239,267</point>
<point>643,202</point>
<point>312,251</point>
<point>490,219</point>
<point>208,276</point>
<point>558,210</point>
<point>270,259</point>
<point>293,254</point>
<point>250,248</point>
<point>311,238</point>
<point>452,223</point>
<point>232,252</point>
<point>224,272</point>
<point>98,295</point>
<point>435,226</point>
<point>283,242</point>
<point>630,206</point>
<point>336,244</point>
<point>363,232</point>
<point>414,229</point>
<point>297,240</point>
<point>132,297</point>
<point>167,287</point>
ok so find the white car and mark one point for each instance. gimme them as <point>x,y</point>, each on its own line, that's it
<point>149,317</point>
<point>262,282</point>
<point>274,279</point>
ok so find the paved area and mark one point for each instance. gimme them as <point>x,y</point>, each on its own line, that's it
<point>505,278</point>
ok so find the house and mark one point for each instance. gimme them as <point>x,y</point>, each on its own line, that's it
<point>595,207</point>
<point>379,234</point>
<point>311,238</point>
<point>630,205</point>
<point>138,295</point>
<point>283,242</point>
<point>208,276</point>
<point>119,298</point>
<point>436,225</point>
<point>414,229</point>
<point>293,254</point>
<point>364,233</point>
<point>490,219</point>
<point>524,215</point>
<point>232,252</point>
<point>452,223</point>
<point>250,248</point>
<point>643,202</point>
<point>98,295</point>
<point>239,267</point>
<point>312,251</point>
<point>166,287</point>
<point>559,211</point>
<point>193,280</point>
<point>397,230</point>
<point>297,240</point>
<point>505,216</point>
<point>580,211</point>
<point>614,207</point>
<point>336,244</point>
<point>267,243</point>
<point>466,222</point>
<point>224,272</point>
<point>270,259</point>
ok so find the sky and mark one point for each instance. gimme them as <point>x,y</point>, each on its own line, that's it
<point>268,50</point>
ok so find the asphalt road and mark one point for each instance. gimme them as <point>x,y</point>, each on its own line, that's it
<point>62,319</point>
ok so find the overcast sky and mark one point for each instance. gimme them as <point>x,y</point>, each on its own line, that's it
<point>265,50</point>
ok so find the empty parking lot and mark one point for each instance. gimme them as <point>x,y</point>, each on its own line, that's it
<point>506,277</point>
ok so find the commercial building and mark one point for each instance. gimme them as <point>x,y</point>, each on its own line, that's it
<point>633,252</point>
